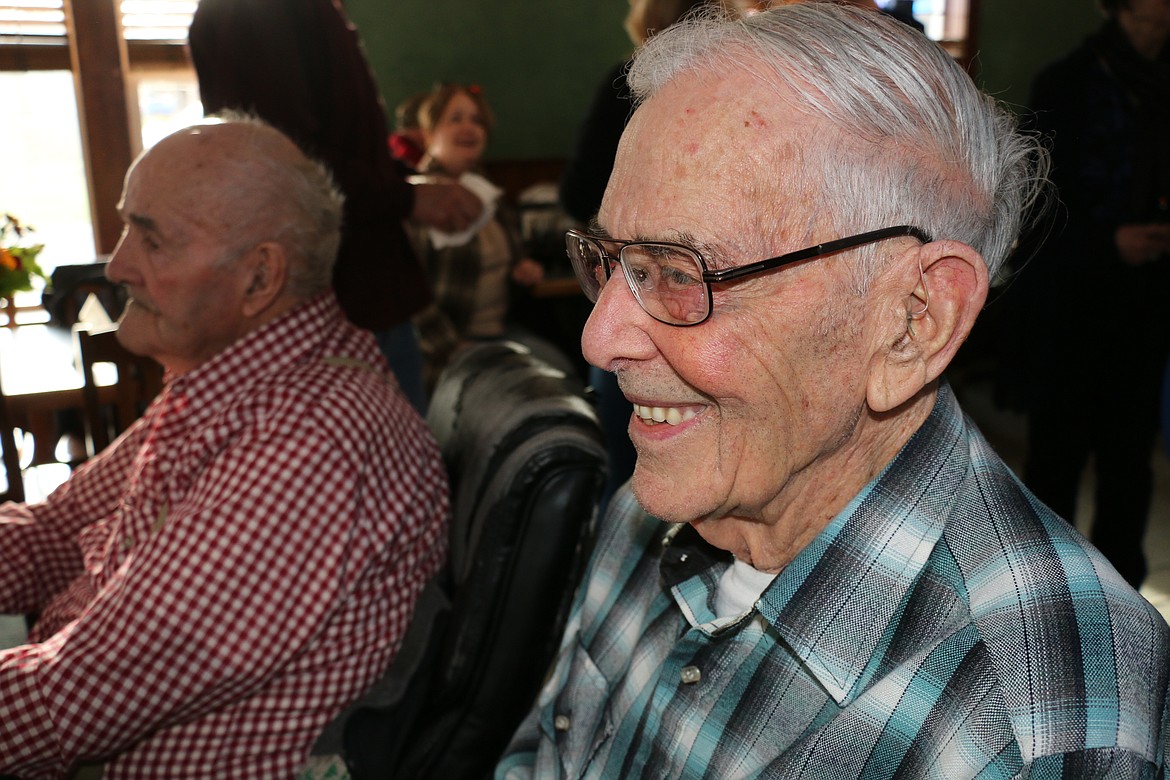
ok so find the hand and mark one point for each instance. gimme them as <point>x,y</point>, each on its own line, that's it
<point>446,206</point>
<point>527,272</point>
<point>1140,244</point>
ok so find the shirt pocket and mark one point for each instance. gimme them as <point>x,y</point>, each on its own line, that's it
<point>578,722</point>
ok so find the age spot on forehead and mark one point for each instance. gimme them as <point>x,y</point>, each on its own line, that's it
<point>755,119</point>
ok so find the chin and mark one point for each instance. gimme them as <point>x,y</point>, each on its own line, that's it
<point>132,333</point>
<point>665,499</point>
<point>130,340</point>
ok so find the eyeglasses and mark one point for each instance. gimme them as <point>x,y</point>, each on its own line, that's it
<point>671,281</point>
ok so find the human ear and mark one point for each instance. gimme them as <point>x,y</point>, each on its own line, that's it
<point>265,272</point>
<point>935,294</point>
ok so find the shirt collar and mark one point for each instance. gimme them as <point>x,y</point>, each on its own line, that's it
<point>838,602</point>
<point>270,349</point>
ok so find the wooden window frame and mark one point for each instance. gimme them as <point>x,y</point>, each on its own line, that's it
<point>100,59</point>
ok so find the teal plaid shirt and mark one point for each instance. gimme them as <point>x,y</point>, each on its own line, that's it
<point>944,625</point>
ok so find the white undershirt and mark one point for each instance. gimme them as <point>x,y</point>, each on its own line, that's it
<point>739,589</point>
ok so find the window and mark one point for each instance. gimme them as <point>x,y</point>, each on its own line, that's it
<point>32,21</point>
<point>157,20</point>
<point>44,21</point>
<point>946,21</point>
<point>49,176</point>
<point>44,175</point>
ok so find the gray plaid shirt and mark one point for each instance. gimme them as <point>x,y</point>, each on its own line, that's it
<point>944,625</point>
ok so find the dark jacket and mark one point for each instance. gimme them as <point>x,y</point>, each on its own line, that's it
<point>299,65</point>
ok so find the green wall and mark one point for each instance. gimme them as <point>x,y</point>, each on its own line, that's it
<point>540,62</point>
<point>1018,37</point>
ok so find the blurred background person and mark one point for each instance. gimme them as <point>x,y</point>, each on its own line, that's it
<point>407,143</point>
<point>472,272</point>
<point>1091,307</point>
<point>299,65</point>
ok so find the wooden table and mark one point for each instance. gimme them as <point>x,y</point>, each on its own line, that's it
<point>40,378</point>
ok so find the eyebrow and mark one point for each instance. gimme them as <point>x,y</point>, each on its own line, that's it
<point>143,222</point>
<point>595,229</point>
<point>713,255</point>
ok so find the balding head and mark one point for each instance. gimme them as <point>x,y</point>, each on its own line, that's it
<point>257,185</point>
<point>229,226</point>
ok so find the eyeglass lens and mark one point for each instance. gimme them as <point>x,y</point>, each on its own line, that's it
<point>665,278</point>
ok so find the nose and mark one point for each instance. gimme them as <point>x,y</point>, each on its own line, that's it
<point>617,328</point>
<point>117,269</point>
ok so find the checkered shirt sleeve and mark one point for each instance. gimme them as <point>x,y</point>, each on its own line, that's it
<point>235,569</point>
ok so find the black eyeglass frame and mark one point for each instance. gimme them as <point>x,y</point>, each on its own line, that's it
<point>710,277</point>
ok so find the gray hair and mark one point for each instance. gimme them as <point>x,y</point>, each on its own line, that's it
<point>921,144</point>
<point>276,193</point>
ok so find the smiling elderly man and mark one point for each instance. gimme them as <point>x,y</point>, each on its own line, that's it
<point>217,584</point>
<point>851,584</point>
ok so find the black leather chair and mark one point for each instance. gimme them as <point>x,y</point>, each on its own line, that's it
<point>526,462</point>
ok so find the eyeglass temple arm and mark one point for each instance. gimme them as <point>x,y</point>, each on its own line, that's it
<point>827,248</point>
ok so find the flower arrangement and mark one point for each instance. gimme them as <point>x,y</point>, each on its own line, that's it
<point>18,257</point>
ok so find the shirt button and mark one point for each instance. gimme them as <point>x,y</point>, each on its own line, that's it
<point>690,675</point>
<point>561,723</point>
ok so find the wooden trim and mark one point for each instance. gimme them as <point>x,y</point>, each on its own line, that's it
<point>11,313</point>
<point>54,55</point>
<point>100,63</point>
<point>34,56</point>
<point>158,54</point>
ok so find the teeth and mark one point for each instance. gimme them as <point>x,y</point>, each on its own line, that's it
<point>658,414</point>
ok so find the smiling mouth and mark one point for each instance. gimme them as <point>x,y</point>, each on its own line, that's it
<point>671,415</point>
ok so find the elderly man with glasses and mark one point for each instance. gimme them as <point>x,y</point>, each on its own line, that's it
<point>820,568</point>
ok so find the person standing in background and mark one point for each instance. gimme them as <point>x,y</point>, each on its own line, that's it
<point>1092,305</point>
<point>473,273</point>
<point>299,65</point>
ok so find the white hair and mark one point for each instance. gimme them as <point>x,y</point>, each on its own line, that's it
<point>917,143</point>
<point>278,193</point>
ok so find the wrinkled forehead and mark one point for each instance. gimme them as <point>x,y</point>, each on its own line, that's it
<point>182,178</point>
<point>197,154</point>
<point>715,149</point>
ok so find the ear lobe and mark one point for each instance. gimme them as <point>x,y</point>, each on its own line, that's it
<point>934,306</point>
<point>266,271</point>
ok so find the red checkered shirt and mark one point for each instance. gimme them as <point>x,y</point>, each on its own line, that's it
<point>231,572</point>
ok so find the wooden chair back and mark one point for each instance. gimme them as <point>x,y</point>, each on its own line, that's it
<point>139,381</point>
<point>14,481</point>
